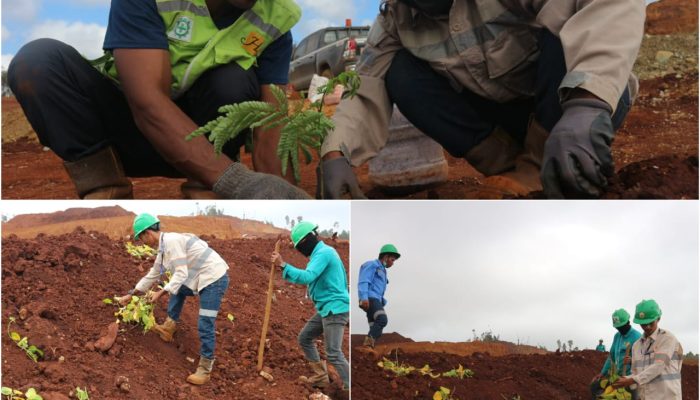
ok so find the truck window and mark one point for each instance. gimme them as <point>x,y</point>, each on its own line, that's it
<point>342,34</point>
<point>330,37</point>
<point>300,50</point>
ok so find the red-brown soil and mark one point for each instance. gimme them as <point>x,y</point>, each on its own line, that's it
<point>116,223</point>
<point>499,373</point>
<point>660,131</point>
<point>54,286</point>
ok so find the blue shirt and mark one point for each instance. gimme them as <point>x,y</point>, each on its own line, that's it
<point>617,352</point>
<point>372,281</point>
<point>136,24</point>
<point>327,280</point>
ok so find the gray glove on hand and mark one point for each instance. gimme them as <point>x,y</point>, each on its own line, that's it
<point>238,182</point>
<point>337,179</point>
<point>577,157</point>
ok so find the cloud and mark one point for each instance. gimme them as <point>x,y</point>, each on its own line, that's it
<point>86,38</point>
<point>24,10</point>
<point>333,10</point>
<point>5,33</point>
<point>307,27</point>
<point>6,58</point>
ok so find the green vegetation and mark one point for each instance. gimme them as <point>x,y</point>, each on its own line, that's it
<point>301,130</point>
<point>139,311</point>
<point>23,343</point>
<point>400,369</point>
<point>81,394</point>
<point>14,394</point>
<point>443,394</point>
<point>140,251</point>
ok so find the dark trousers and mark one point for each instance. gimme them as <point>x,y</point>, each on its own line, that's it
<point>376,317</point>
<point>459,121</point>
<point>76,111</point>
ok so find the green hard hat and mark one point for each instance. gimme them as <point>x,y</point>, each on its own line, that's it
<point>143,222</point>
<point>647,311</point>
<point>300,231</point>
<point>389,248</point>
<point>620,317</point>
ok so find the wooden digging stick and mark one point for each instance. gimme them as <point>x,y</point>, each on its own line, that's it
<point>268,306</point>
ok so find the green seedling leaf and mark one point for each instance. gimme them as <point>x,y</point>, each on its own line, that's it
<point>15,336</point>
<point>230,317</point>
<point>107,301</point>
<point>6,391</point>
<point>81,394</point>
<point>32,395</point>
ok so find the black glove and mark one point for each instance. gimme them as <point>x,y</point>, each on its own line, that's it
<point>238,182</point>
<point>577,157</point>
<point>337,179</point>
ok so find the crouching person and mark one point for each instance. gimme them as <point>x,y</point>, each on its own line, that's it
<point>328,288</point>
<point>196,270</point>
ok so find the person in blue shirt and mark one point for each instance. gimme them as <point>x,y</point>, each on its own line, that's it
<point>327,283</point>
<point>600,346</point>
<point>371,287</point>
<point>108,129</point>
<point>618,357</point>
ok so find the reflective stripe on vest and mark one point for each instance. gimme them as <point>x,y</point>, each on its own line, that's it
<point>196,45</point>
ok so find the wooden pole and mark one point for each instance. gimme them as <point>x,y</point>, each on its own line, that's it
<point>268,306</point>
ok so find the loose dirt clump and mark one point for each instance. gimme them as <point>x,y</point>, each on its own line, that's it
<point>54,286</point>
<point>530,376</point>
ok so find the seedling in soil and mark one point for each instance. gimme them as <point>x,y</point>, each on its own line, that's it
<point>140,251</point>
<point>231,318</point>
<point>32,351</point>
<point>397,368</point>
<point>14,394</point>
<point>460,373</point>
<point>426,370</point>
<point>443,394</point>
<point>81,394</point>
<point>139,311</point>
<point>302,130</point>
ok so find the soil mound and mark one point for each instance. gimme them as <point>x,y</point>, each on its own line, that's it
<point>71,214</point>
<point>391,337</point>
<point>530,376</point>
<point>672,16</point>
<point>54,286</point>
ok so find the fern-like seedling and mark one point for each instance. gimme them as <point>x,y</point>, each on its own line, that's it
<point>302,131</point>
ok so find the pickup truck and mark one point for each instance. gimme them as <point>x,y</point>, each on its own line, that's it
<point>326,52</point>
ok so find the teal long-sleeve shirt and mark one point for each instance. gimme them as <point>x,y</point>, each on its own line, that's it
<point>326,279</point>
<point>617,352</point>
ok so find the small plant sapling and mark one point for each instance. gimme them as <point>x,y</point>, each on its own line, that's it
<point>14,394</point>
<point>141,251</point>
<point>459,372</point>
<point>138,311</point>
<point>443,394</point>
<point>32,351</point>
<point>231,318</point>
<point>81,394</point>
<point>301,130</point>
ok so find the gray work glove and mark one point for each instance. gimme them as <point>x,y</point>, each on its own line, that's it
<point>238,182</point>
<point>577,157</point>
<point>337,179</point>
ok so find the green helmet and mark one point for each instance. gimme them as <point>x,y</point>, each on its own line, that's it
<point>143,222</point>
<point>647,311</point>
<point>300,231</point>
<point>389,248</point>
<point>620,318</point>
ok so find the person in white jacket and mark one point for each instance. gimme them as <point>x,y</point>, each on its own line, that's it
<point>196,270</point>
<point>657,358</point>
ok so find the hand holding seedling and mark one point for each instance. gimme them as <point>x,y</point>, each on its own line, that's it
<point>154,296</point>
<point>277,260</point>
<point>124,300</point>
<point>623,382</point>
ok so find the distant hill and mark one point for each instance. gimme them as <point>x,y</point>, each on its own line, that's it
<point>117,223</point>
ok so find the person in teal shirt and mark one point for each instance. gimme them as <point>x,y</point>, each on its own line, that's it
<point>624,338</point>
<point>600,346</point>
<point>327,283</point>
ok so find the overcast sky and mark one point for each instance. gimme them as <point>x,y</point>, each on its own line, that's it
<point>531,271</point>
<point>323,213</point>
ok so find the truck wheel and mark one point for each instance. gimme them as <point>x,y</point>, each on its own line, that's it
<point>326,73</point>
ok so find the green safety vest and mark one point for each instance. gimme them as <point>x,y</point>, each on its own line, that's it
<point>197,45</point>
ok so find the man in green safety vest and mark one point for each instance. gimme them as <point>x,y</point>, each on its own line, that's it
<point>168,67</point>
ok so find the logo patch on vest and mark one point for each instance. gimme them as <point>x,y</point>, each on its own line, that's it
<point>252,43</point>
<point>182,30</point>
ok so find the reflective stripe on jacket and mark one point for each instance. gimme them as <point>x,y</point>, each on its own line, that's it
<point>190,261</point>
<point>656,366</point>
<point>197,45</point>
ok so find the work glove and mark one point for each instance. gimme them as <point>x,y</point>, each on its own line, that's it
<point>337,179</point>
<point>364,304</point>
<point>577,158</point>
<point>238,182</point>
